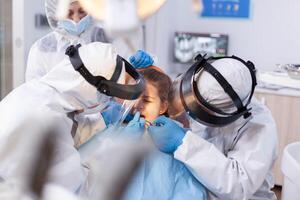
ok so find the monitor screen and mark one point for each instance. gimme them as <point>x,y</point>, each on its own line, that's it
<point>188,45</point>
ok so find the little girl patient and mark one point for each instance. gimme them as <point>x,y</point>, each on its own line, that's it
<point>160,176</point>
<point>154,100</point>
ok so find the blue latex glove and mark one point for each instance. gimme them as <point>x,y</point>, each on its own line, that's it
<point>128,118</point>
<point>166,134</point>
<point>141,59</point>
<point>110,113</point>
<point>136,127</point>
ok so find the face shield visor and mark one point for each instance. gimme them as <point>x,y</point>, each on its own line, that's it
<point>187,98</point>
<point>110,92</point>
<point>118,111</point>
<point>176,109</point>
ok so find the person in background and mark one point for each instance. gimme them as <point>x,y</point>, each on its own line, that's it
<point>48,51</point>
<point>79,27</point>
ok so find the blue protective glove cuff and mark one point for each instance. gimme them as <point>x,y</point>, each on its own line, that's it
<point>167,134</point>
<point>128,118</point>
<point>135,128</point>
<point>109,114</point>
<point>106,117</point>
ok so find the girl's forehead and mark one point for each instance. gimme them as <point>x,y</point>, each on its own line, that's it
<point>150,86</point>
<point>75,5</point>
<point>151,90</point>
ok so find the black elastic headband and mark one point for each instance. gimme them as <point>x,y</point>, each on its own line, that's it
<point>109,87</point>
<point>200,109</point>
<point>251,68</point>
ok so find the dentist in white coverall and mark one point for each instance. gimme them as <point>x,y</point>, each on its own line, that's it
<point>233,162</point>
<point>60,92</point>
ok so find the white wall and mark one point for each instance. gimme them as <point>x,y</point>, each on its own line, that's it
<point>271,36</point>
<point>24,34</point>
<point>31,32</point>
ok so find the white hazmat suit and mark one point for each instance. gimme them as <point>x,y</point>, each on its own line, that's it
<point>61,91</point>
<point>234,162</point>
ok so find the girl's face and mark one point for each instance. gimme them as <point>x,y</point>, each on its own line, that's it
<point>76,12</point>
<point>150,105</point>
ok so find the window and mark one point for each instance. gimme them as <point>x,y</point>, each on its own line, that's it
<point>5,47</point>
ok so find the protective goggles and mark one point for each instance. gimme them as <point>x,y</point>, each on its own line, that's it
<point>198,108</point>
<point>109,87</point>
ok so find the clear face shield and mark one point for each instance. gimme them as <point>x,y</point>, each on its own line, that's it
<point>115,97</point>
<point>176,109</point>
<point>123,111</point>
<point>187,97</point>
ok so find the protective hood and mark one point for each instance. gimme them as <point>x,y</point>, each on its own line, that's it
<point>100,60</point>
<point>235,73</point>
<point>50,9</point>
<point>215,93</point>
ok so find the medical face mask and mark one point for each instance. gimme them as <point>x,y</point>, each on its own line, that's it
<point>76,28</point>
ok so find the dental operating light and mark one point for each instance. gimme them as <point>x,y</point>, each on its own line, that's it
<point>120,16</point>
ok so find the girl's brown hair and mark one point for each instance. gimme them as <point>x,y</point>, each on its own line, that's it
<point>160,80</point>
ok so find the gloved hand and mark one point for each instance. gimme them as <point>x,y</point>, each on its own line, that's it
<point>136,127</point>
<point>110,114</point>
<point>141,59</point>
<point>128,117</point>
<point>166,134</point>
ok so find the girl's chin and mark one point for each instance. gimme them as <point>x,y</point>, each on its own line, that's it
<point>148,121</point>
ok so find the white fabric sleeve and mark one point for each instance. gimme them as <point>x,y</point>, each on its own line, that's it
<point>88,126</point>
<point>237,175</point>
<point>67,169</point>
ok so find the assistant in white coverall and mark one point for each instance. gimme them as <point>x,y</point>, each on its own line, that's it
<point>233,161</point>
<point>60,92</point>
